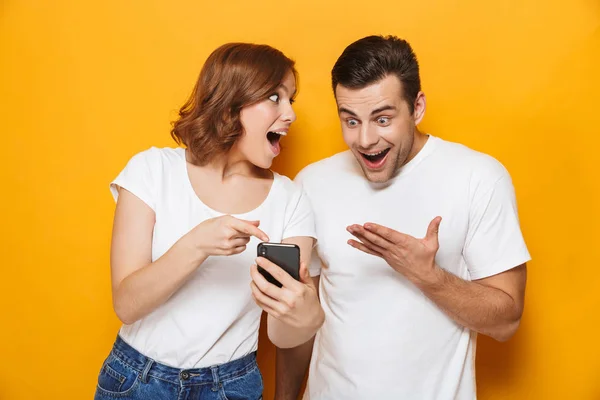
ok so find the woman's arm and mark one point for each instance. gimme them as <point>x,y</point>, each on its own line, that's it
<point>139,285</point>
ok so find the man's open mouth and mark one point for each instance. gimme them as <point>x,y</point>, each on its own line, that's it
<point>375,159</point>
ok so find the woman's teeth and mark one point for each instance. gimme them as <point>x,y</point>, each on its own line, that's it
<point>273,137</point>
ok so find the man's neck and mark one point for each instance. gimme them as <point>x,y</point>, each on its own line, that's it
<point>418,144</point>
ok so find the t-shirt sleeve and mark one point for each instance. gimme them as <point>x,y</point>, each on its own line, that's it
<point>494,240</point>
<point>299,218</point>
<point>315,261</point>
<point>140,177</point>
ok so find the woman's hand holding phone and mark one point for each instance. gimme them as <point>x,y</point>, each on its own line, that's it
<point>296,303</point>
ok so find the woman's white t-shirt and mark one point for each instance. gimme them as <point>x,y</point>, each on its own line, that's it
<point>212,318</point>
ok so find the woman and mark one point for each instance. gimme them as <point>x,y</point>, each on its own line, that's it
<point>186,226</point>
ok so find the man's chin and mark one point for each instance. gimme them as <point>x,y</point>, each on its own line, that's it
<point>378,176</point>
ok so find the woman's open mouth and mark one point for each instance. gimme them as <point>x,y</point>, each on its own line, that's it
<point>274,138</point>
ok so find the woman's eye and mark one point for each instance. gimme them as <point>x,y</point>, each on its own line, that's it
<point>274,98</point>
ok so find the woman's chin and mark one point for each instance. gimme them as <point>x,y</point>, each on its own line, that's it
<point>265,163</point>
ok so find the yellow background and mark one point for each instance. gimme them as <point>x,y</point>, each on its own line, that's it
<point>85,85</point>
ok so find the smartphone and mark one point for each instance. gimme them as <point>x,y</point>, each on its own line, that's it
<point>285,255</point>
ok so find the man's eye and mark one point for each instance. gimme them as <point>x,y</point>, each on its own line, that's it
<point>383,120</point>
<point>274,98</point>
<point>352,122</point>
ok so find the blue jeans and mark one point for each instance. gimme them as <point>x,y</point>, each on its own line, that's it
<point>128,374</point>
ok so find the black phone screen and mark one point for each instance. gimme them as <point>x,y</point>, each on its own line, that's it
<point>286,256</point>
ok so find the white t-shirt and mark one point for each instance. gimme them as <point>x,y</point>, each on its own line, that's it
<point>212,318</point>
<point>382,338</point>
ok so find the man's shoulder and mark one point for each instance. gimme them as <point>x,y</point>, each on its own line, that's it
<point>457,156</point>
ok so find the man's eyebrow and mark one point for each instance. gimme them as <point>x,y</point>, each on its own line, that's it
<point>383,108</point>
<point>345,110</point>
<point>374,112</point>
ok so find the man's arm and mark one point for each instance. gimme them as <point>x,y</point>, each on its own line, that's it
<point>492,306</point>
<point>291,366</point>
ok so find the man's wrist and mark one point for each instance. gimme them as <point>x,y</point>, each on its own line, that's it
<point>432,279</point>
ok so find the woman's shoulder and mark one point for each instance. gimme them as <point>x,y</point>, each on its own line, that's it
<point>158,154</point>
<point>156,158</point>
<point>284,183</point>
<point>284,187</point>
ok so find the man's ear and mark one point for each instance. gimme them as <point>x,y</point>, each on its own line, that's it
<point>420,105</point>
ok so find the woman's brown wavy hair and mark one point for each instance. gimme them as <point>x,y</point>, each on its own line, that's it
<point>234,76</point>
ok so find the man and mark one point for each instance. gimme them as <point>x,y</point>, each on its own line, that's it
<point>419,242</point>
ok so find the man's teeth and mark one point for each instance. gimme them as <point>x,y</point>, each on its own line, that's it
<point>374,154</point>
<point>279,133</point>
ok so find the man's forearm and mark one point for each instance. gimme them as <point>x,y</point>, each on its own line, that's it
<point>484,309</point>
<point>291,367</point>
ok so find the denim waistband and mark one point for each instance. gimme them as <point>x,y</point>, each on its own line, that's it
<point>193,376</point>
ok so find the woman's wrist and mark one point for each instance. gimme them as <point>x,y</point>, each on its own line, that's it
<point>188,252</point>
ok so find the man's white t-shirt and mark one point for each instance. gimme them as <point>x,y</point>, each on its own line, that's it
<point>212,318</point>
<point>382,338</point>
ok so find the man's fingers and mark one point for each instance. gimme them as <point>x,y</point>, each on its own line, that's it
<point>363,248</point>
<point>433,229</point>
<point>369,238</point>
<point>386,233</point>
<point>277,272</point>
